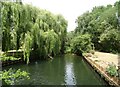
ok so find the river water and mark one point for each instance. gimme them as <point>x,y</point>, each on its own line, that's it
<point>62,70</point>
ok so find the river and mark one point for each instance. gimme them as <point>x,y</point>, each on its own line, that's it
<point>62,70</point>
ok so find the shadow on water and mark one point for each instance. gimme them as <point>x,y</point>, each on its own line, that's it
<point>62,70</point>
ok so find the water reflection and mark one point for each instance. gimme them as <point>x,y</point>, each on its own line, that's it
<point>69,74</point>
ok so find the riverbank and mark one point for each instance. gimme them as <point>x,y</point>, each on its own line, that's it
<point>106,58</point>
<point>99,61</point>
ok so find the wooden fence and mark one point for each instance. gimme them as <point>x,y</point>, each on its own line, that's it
<point>17,54</point>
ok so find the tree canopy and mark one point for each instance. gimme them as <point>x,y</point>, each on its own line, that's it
<point>103,27</point>
<point>32,29</point>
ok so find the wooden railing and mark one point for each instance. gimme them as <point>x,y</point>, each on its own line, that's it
<point>15,53</point>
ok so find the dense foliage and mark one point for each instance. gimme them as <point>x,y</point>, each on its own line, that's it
<point>103,27</point>
<point>12,76</point>
<point>32,29</point>
<point>81,44</point>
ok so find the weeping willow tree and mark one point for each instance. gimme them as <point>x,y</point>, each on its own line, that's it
<point>33,30</point>
<point>6,25</point>
<point>27,46</point>
<point>0,29</point>
<point>52,42</point>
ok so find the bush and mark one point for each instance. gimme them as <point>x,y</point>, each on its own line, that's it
<point>87,54</point>
<point>110,41</point>
<point>12,76</point>
<point>81,44</point>
<point>111,70</point>
<point>92,51</point>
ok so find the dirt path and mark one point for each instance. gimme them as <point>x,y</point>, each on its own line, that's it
<point>103,59</point>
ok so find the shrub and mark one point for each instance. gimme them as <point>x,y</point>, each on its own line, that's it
<point>111,70</point>
<point>113,38</point>
<point>92,51</point>
<point>87,54</point>
<point>12,76</point>
<point>81,44</point>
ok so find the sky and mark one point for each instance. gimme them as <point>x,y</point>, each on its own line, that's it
<point>70,9</point>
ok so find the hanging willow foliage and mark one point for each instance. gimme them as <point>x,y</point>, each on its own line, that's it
<point>32,29</point>
<point>50,41</point>
<point>27,46</point>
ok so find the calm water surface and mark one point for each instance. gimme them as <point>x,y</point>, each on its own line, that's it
<point>62,70</point>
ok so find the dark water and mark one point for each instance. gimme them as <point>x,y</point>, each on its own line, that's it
<point>62,70</point>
